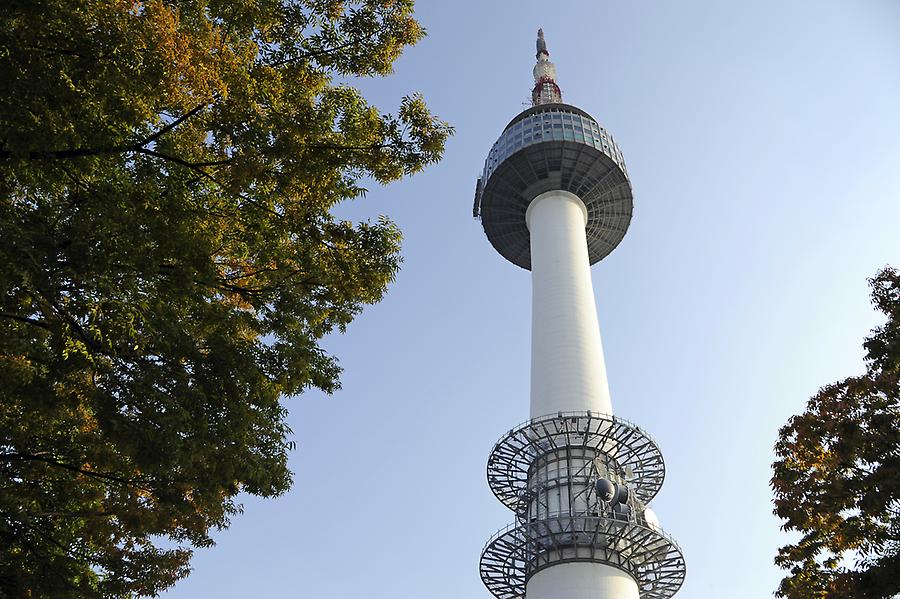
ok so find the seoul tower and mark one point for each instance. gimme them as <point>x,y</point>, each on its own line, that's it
<point>555,198</point>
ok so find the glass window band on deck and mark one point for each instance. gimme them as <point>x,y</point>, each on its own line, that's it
<point>551,125</point>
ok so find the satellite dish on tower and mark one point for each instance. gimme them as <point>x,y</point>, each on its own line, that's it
<point>606,489</point>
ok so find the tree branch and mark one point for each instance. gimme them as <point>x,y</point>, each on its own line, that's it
<point>198,168</point>
<point>135,147</point>
<point>19,456</point>
<point>318,53</point>
<point>26,320</point>
<point>171,125</point>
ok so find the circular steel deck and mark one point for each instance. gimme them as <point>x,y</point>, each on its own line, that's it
<point>630,447</point>
<point>553,147</point>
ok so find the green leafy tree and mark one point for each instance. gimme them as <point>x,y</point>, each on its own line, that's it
<point>837,476</point>
<point>169,263</point>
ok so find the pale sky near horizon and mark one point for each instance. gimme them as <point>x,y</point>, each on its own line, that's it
<point>763,143</point>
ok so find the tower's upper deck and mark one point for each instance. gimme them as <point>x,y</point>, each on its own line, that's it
<point>552,146</point>
<point>549,147</point>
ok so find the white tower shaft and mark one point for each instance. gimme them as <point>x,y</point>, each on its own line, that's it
<point>568,373</point>
<point>581,580</point>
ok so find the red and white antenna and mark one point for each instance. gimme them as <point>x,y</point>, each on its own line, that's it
<point>545,91</point>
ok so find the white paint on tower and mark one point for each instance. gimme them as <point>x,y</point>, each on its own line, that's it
<point>568,373</point>
<point>581,580</point>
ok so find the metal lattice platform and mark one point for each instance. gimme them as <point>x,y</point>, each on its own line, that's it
<point>644,551</point>
<point>623,442</point>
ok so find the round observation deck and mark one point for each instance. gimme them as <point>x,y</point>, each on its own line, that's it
<point>623,445</point>
<point>624,541</point>
<point>553,147</point>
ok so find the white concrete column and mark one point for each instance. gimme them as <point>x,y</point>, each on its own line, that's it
<point>567,368</point>
<point>581,580</point>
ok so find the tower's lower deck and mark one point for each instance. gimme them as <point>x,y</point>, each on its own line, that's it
<point>579,483</point>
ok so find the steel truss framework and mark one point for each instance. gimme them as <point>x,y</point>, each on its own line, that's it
<point>626,445</point>
<point>645,552</point>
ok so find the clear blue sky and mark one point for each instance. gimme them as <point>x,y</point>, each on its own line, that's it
<point>763,143</point>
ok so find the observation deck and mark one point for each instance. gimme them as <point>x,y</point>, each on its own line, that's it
<point>553,147</point>
<point>602,443</point>
<point>627,542</point>
<point>579,483</point>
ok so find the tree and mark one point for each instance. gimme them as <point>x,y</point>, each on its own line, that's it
<point>169,263</point>
<point>837,476</point>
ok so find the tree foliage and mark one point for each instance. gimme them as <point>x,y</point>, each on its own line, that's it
<point>837,476</point>
<point>169,263</point>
